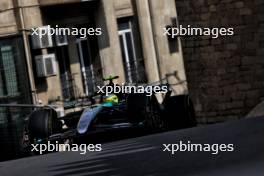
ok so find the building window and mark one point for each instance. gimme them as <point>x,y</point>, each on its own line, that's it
<point>8,78</point>
<point>14,87</point>
<point>86,65</point>
<point>8,75</point>
<point>173,41</point>
<point>13,75</point>
<point>127,44</point>
<point>90,68</point>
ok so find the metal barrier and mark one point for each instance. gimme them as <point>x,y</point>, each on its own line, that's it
<point>68,85</point>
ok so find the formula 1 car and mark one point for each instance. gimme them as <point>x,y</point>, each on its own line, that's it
<point>115,112</point>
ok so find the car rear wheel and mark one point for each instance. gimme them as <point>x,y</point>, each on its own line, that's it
<point>179,112</point>
<point>142,108</point>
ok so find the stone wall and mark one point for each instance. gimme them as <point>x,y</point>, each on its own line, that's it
<point>225,75</point>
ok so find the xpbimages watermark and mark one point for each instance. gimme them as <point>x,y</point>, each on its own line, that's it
<point>82,32</point>
<point>197,31</point>
<point>127,89</point>
<point>57,147</point>
<point>192,147</point>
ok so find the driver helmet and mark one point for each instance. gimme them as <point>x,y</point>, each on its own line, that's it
<point>111,99</point>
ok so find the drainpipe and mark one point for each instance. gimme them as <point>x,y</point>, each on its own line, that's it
<point>27,53</point>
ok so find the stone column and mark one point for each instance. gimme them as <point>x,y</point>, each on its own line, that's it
<point>108,42</point>
<point>148,45</point>
<point>171,64</point>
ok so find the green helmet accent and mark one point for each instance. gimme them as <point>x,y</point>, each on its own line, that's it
<point>111,99</point>
<point>109,78</point>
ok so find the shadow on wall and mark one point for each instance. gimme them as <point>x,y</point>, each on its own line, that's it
<point>177,85</point>
<point>85,14</point>
<point>100,19</point>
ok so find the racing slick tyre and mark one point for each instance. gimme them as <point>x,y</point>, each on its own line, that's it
<point>136,106</point>
<point>43,123</point>
<point>179,112</point>
<point>145,109</point>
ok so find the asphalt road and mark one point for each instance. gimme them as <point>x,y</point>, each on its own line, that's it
<point>144,155</point>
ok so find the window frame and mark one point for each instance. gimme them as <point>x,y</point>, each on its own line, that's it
<point>122,34</point>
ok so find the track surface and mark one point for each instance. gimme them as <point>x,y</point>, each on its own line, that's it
<point>144,156</point>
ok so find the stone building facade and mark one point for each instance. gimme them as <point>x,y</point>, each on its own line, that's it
<point>140,21</point>
<point>225,75</point>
